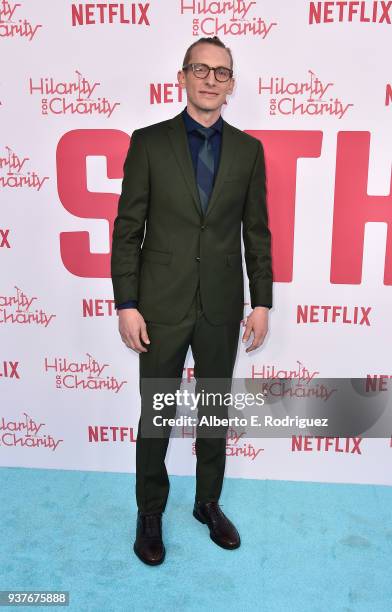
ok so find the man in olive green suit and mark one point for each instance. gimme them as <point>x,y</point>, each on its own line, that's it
<point>189,184</point>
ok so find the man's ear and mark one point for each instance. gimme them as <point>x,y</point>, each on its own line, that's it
<point>181,78</point>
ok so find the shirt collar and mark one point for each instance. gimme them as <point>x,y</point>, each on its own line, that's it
<point>192,124</point>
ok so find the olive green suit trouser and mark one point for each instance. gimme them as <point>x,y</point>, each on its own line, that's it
<point>214,349</point>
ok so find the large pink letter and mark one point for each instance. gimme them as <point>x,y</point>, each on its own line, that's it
<point>353,208</point>
<point>72,150</point>
<point>282,150</point>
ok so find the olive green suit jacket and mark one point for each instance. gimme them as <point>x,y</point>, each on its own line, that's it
<point>163,245</point>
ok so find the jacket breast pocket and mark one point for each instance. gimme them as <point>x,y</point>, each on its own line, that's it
<point>159,257</point>
<point>234,259</point>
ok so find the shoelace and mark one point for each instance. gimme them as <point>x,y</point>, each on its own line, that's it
<point>215,513</point>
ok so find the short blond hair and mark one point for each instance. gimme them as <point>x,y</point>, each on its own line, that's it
<point>213,40</point>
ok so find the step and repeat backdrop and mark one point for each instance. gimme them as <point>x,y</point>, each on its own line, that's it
<point>312,82</point>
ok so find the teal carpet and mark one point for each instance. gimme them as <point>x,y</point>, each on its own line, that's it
<point>305,546</point>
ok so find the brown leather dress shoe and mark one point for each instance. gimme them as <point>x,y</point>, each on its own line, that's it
<point>222,531</point>
<point>148,545</point>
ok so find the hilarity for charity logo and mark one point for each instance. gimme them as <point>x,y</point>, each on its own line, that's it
<point>11,26</point>
<point>269,371</point>
<point>84,375</point>
<point>13,173</point>
<point>235,446</point>
<point>16,309</point>
<point>26,433</point>
<point>307,98</point>
<point>71,97</point>
<point>224,18</point>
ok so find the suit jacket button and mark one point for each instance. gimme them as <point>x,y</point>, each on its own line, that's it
<point>197,258</point>
<point>202,227</point>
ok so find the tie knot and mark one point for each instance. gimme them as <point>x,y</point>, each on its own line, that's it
<point>206,132</point>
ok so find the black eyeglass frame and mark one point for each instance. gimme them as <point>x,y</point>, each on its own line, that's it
<point>209,68</point>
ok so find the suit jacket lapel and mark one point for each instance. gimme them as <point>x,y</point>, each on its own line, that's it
<point>179,140</point>
<point>226,158</point>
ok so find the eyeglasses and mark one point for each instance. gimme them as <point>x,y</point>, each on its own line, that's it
<point>202,70</point>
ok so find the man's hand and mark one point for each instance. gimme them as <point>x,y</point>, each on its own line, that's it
<point>258,323</point>
<point>133,329</point>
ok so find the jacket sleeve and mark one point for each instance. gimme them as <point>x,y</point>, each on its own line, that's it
<point>257,236</point>
<point>125,305</point>
<point>129,225</point>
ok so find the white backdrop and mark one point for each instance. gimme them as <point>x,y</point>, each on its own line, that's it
<point>75,83</point>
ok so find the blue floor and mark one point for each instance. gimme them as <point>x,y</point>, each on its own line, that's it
<point>305,546</point>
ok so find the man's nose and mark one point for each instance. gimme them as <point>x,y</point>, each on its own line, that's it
<point>210,79</point>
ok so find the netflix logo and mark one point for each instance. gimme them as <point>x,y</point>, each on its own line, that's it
<point>98,307</point>
<point>388,94</point>
<point>110,433</point>
<point>360,12</point>
<point>4,242</point>
<point>125,13</point>
<point>165,93</point>
<point>188,374</point>
<point>320,444</point>
<point>9,369</point>
<point>377,382</point>
<point>349,315</point>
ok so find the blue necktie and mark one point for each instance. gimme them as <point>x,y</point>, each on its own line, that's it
<point>205,167</point>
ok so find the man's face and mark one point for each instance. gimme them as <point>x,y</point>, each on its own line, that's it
<point>206,94</point>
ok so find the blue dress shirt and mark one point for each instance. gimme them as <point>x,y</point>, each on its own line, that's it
<point>195,141</point>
